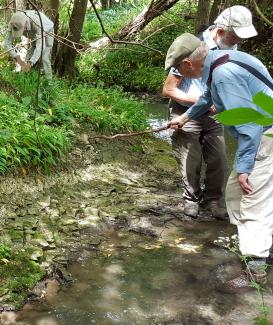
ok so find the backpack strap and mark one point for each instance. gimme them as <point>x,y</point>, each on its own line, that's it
<point>222,60</point>
<point>225,58</point>
<point>255,72</point>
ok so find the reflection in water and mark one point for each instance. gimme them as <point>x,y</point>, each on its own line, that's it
<point>149,286</point>
<point>158,116</point>
<point>173,280</point>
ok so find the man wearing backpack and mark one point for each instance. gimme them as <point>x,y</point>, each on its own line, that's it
<point>232,79</point>
<point>203,138</point>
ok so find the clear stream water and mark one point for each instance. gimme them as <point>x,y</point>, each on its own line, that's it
<point>175,279</point>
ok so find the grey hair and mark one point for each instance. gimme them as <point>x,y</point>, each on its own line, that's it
<point>224,27</point>
<point>200,52</point>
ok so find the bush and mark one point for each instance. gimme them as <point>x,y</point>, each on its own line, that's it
<point>60,104</point>
<point>133,67</point>
<point>106,110</point>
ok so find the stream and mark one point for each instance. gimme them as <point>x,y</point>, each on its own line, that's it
<point>160,269</point>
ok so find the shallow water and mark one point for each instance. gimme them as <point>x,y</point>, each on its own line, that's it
<point>158,116</point>
<point>137,280</point>
<point>175,279</point>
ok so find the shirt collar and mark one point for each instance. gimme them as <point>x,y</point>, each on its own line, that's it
<point>207,64</point>
<point>207,36</point>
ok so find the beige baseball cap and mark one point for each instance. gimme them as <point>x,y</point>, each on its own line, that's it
<point>182,47</point>
<point>240,19</point>
<point>17,24</point>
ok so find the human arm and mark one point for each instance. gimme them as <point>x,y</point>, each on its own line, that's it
<point>36,36</point>
<point>171,90</point>
<point>38,48</point>
<point>200,108</point>
<point>8,45</point>
<point>233,95</point>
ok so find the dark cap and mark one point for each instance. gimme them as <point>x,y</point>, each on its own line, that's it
<point>182,47</point>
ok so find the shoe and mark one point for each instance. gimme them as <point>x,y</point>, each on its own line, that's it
<point>191,209</point>
<point>212,209</point>
<point>245,282</point>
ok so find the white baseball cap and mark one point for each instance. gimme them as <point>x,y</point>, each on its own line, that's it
<point>240,19</point>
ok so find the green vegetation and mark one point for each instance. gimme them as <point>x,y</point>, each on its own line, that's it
<point>244,115</point>
<point>61,106</point>
<point>133,67</point>
<point>18,274</point>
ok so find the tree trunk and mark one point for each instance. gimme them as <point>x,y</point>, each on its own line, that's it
<point>202,17</point>
<point>217,7</point>
<point>66,56</point>
<point>155,9</point>
<point>104,4</point>
<point>20,4</point>
<point>38,3</point>
<point>53,14</point>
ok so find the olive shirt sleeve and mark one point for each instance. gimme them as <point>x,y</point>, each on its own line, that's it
<point>8,44</point>
<point>36,30</point>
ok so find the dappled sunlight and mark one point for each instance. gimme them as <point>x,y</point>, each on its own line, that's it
<point>142,280</point>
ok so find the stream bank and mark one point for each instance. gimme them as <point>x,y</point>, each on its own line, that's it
<point>109,227</point>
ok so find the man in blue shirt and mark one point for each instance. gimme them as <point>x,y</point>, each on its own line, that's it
<point>250,185</point>
<point>203,138</point>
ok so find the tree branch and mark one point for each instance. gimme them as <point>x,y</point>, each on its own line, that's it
<point>118,41</point>
<point>267,21</point>
<point>131,134</point>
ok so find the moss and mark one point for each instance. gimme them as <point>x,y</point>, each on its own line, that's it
<point>16,235</point>
<point>18,275</point>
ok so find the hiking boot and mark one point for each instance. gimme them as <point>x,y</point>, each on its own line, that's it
<point>213,209</point>
<point>191,209</point>
<point>245,282</point>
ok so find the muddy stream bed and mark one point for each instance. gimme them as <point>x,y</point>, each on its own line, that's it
<point>109,230</point>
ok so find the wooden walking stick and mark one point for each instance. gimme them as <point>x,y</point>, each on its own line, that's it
<point>132,134</point>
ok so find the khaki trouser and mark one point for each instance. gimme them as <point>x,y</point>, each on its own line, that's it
<point>253,213</point>
<point>46,55</point>
<point>197,140</point>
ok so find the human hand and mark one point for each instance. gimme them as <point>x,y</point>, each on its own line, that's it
<point>244,183</point>
<point>179,121</point>
<point>26,67</point>
<point>19,60</point>
<point>212,110</point>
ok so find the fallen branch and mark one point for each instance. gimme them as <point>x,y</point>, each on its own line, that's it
<point>132,134</point>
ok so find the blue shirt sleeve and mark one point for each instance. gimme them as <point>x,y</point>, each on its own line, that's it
<point>201,107</point>
<point>229,96</point>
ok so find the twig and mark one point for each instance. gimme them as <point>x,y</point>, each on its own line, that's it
<point>36,106</point>
<point>157,31</point>
<point>267,21</point>
<point>132,134</point>
<point>7,6</point>
<point>119,41</point>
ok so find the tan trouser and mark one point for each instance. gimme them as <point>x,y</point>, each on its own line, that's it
<point>200,140</point>
<point>253,213</point>
<point>46,55</point>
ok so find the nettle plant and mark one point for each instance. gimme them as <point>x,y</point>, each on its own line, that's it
<point>243,115</point>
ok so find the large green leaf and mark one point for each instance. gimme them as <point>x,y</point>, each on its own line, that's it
<point>264,101</point>
<point>270,135</point>
<point>237,116</point>
<point>265,121</point>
